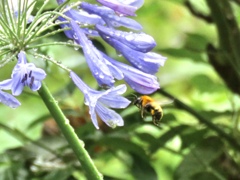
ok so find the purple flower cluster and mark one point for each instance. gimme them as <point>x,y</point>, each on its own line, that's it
<point>102,21</point>
<point>135,47</point>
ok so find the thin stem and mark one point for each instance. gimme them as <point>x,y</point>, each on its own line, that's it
<point>76,144</point>
<point>202,119</point>
<point>70,44</point>
<point>51,60</point>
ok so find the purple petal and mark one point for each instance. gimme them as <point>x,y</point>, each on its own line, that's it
<point>90,32</point>
<point>93,57</point>
<point>79,83</point>
<point>139,81</point>
<point>109,16</point>
<point>119,7</point>
<point>26,74</point>
<point>99,100</point>
<point>139,42</point>
<point>37,73</point>
<point>9,100</point>
<point>141,87</point>
<point>36,85</point>
<point>110,117</point>
<point>120,89</point>
<point>68,33</point>
<point>93,116</point>
<point>117,102</point>
<point>17,85</point>
<point>6,84</point>
<point>81,16</point>
<point>146,62</point>
<point>136,3</point>
<point>22,57</point>
<point>84,17</point>
<point>113,69</point>
<point>60,1</point>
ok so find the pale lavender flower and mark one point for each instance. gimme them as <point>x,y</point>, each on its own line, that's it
<point>135,3</point>
<point>100,102</point>
<point>147,62</point>
<point>119,7</point>
<point>24,74</point>
<point>139,81</point>
<point>137,41</point>
<point>93,57</point>
<point>80,17</point>
<point>110,17</point>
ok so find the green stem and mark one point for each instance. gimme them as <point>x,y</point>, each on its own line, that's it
<point>202,119</point>
<point>76,144</point>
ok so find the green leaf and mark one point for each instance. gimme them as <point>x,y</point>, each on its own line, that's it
<point>193,136</point>
<point>184,53</point>
<point>59,174</point>
<point>199,158</point>
<point>163,139</point>
<point>142,169</point>
<point>204,175</point>
<point>125,145</point>
<point>196,42</point>
<point>205,84</point>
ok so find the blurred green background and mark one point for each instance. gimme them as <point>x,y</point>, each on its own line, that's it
<point>199,134</point>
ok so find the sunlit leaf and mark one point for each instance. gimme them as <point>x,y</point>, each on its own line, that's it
<point>199,158</point>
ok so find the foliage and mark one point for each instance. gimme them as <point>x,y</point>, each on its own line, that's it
<point>199,133</point>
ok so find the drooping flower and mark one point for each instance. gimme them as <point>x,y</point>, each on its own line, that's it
<point>110,17</point>
<point>80,17</point>
<point>119,7</point>
<point>100,102</point>
<point>24,74</point>
<point>137,41</point>
<point>147,62</point>
<point>139,81</point>
<point>93,57</point>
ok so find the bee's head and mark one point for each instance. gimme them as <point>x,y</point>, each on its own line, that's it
<point>137,102</point>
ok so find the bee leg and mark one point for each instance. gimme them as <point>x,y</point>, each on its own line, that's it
<point>142,113</point>
<point>154,120</point>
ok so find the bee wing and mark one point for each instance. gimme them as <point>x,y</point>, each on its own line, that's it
<point>163,103</point>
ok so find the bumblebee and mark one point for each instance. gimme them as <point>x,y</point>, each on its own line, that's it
<point>147,104</point>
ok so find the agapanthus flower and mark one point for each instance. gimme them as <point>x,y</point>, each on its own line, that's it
<point>81,17</point>
<point>93,57</point>
<point>147,62</point>
<point>24,74</point>
<point>119,7</point>
<point>100,102</point>
<point>139,81</point>
<point>110,17</point>
<point>137,41</point>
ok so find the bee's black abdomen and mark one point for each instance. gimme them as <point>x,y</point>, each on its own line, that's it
<point>148,107</point>
<point>158,115</point>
